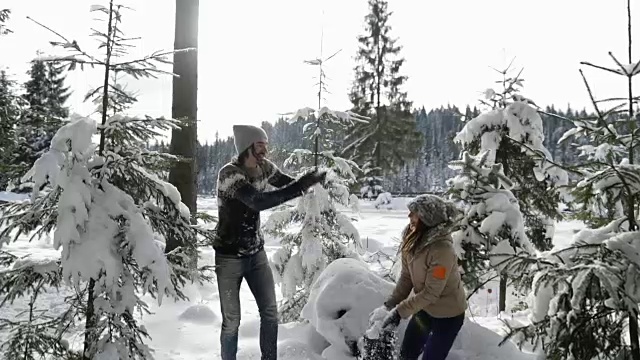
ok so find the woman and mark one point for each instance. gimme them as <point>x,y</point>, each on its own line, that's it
<point>430,268</point>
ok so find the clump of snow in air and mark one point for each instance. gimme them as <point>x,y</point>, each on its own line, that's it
<point>375,322</point>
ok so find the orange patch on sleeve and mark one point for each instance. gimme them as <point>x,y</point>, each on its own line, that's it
<point>440,272</point>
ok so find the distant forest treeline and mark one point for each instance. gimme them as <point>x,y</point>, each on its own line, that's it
<point>428,172</point>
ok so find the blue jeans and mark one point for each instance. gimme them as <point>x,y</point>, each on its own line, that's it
<point>230,270</point>
<point>433,337</point>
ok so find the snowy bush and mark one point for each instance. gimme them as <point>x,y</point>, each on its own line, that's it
<point>325,233</point>
<point>340,302</point>
<point>384,198</point>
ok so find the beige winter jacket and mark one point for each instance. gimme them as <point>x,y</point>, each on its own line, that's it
<point>432,273</point>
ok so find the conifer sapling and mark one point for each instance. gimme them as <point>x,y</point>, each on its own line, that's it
<point>326,234</point>
<point>108,211</point>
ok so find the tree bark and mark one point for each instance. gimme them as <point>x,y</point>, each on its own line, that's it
<point>185,106</point>
<point>502,302</point>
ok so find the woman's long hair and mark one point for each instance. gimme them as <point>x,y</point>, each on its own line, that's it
<point>412,238</point>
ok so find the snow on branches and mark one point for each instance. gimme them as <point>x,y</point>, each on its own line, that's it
<point>325,234</point>
<point>492,230</point>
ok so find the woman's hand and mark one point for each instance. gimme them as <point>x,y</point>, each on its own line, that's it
<point>392,320</point>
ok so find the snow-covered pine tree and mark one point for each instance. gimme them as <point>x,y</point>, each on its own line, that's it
<point>492,231</point>
<point>586,296</point>
<point>511,130</point>
<point>58,91</point>
<point>325,233</point>
<point>390,138</point>
<point>110,215</point>
<point>46,95</point>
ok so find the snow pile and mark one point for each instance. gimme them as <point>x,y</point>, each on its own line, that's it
<point>340,302</point>
<point>384,198</point>
<point>198,314</point>
<point>296,349</point>
<point>475,342</point>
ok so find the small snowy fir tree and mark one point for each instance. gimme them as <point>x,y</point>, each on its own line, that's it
<point>492,231</point>
<point>109,214</point>
<point>325,233</point>
<point>511,131</point>
<point>371,182</point>
<point>30,334</point>
<point>587,294</point>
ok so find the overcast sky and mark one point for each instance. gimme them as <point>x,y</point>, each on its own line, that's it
<point>251,52</point>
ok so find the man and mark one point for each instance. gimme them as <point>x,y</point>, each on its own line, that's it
<point>239,244</point>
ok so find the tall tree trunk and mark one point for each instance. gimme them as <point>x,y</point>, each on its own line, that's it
<point>502,158</point>
<point>502,299</point>
<point>185,106</point>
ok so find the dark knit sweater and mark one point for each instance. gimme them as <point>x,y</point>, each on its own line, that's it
<point>241,197</point>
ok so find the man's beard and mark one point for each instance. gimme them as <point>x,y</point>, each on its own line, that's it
<point>259,156</point>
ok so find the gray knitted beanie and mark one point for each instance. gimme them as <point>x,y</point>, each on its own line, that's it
<point>434,211</point>
<point>246,135</point>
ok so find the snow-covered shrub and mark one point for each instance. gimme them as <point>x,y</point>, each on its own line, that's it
<point>371,182</point>
<point>30,332</point>
<point>340,302</point>
<point>383,198</point>
<point>325,234</point>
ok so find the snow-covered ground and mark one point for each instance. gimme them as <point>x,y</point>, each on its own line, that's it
<point>190,330</point>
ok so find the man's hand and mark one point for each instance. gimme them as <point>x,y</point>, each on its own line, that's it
<point>311,178</point>
<point>392,320</point>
